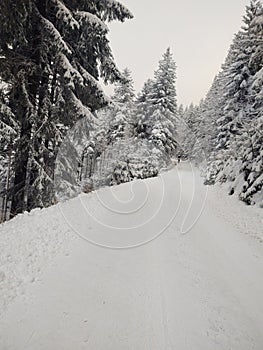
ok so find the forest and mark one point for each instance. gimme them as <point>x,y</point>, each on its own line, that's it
<point>53,57</point>
<point>131,218</point>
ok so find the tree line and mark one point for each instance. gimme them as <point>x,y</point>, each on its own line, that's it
<point>225,132</point>
<point>52,55</point>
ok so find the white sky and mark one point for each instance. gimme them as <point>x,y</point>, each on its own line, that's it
<point>199,33</point>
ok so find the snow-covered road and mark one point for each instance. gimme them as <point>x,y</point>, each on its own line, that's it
<point>196,285</point>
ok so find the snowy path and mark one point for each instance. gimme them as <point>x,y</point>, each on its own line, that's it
<point>197,290</point>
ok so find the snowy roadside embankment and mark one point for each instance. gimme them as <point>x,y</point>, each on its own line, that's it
<point>246,219</point>
<point>28,243</point>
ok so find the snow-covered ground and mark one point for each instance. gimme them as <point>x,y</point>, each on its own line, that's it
<point>196,284</point>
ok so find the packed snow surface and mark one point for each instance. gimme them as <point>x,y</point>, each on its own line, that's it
<point>185,272</point>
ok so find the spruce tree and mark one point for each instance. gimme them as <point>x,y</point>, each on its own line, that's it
<point>157,107</point>
<point>141,129</point>
<point>8,137</point>
<point>121,113</point>
<point>232,112</point>
<point>163,91</point>
<point>52,53</point>
<point>124,93</point>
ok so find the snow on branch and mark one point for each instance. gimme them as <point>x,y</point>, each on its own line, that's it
<point>109,70</point>
<point>86,17</point>
<point>82,110</point>
<point>258,21</point>
<point>258,79</point>
<point>9,130</point>
<point>54,33</point>
<point>88,77</point>
<point>43,174</point>
<point>71,73</point>
<point>65,14</point>
<point>117,11</point>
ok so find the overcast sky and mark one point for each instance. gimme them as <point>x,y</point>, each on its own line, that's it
<point>199,33</point>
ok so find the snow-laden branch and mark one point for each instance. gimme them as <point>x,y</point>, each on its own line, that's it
<point>88,18</point>
<point>65,14</point>
<point>81,108</point>
<point>54,33</point>
<point>71,73</point>
<point>87,76</point>
<point>115,10</point>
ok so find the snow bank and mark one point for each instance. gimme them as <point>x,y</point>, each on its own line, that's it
<point>28,243</point>
<point>247,220</point>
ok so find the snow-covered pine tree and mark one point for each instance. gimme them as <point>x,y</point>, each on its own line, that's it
<point>239,108</point>
<point>124,157</point>
<point>52,53</point>
<point>195,133</point>
<point>157,107</point>
<point>121,113</point>
<point>124,92</point>
<point>8,136</point>
<point>211,110</point>
<point>190,120</point>
<point>182,131</point>
<point>118,125</point>
<point>235,154</point>
<point>236,76</point>
<point>163,91</point>
<point>140,127</point>
<point>247,174</point>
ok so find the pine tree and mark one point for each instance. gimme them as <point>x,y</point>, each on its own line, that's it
<point>235,167</point>
<point>124,93</point>
<point>8,136</point>
<point>233,108</point>
<point>236,78</point>
<point>210,111</point>
<point>190,132</point>
<point>157,107</point>
<point>163,92</point>
<point>249,166</point>
<point>52,54</point>
<point>141,111</point>
<point>121,113</point>
<point>182,131</point>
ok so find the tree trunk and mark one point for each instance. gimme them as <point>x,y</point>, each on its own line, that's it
<point>21,161</point>
<point>26,114</point>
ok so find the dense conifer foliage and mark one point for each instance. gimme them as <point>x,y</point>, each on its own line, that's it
<point>52,54</point>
